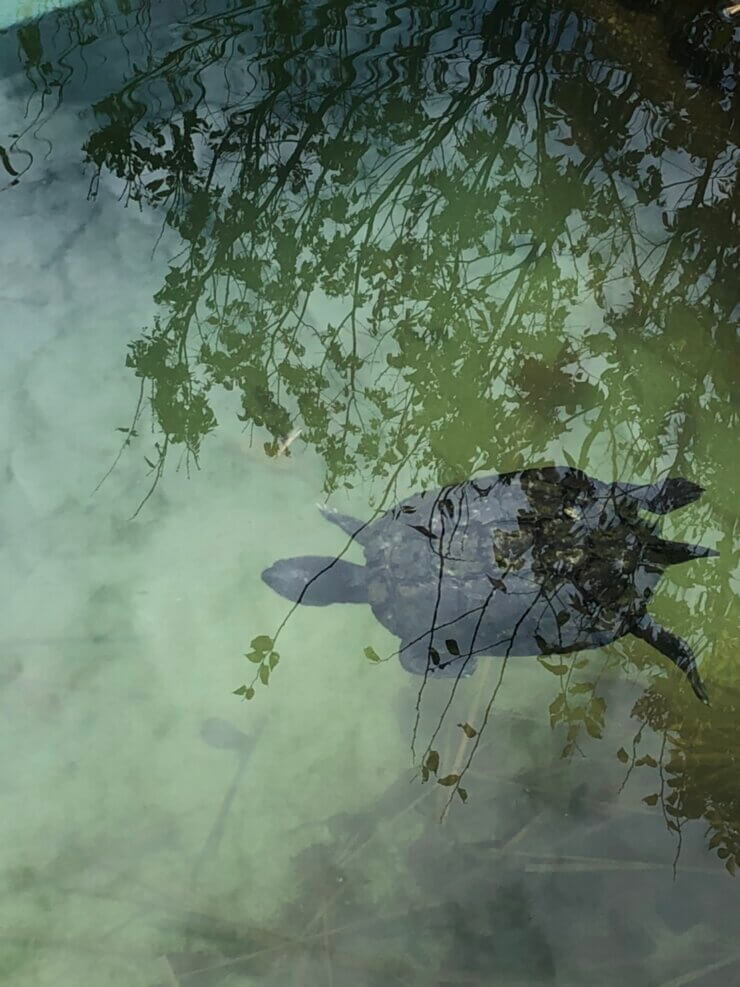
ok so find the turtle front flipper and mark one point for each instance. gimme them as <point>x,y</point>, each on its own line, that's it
<point>673,647</point>
<point>317,580</point>
<point>350,525</point>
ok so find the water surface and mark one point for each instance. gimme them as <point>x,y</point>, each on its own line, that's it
<point>438,242</point>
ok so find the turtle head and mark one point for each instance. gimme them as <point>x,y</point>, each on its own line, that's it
<point>317,580</point>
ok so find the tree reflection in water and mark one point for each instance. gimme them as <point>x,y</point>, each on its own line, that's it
<point>508,230</point>
<point>510,223</point>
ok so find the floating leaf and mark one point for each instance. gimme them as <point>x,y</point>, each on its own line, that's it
<point>432,761</point>
<point>452,647</point>
<point>254,657</point>
<point>434,655</point>
<point>423,530</point>
<point>650,799</point>
<point>262,643</point>
<point>371,654</point>
<point>623,755</point>
<point>449,780</point>
<point>264,674</point>
<point>462,792</point>
<point>274,659</point>
<point>468,730</point>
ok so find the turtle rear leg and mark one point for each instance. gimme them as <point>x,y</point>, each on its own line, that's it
<point>660,498</point>
<point>671,552</point>
<point>673,647</point>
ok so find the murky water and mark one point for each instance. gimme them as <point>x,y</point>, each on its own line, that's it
<point>257,257</point>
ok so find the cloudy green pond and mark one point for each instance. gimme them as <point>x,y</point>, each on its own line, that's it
<point>259,259</point>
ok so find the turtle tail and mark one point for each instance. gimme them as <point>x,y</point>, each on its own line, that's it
<point>660,498</point>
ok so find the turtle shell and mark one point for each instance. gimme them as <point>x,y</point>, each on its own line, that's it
<point>540,561</point>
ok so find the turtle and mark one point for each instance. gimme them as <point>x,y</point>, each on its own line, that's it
<point>540,561</point>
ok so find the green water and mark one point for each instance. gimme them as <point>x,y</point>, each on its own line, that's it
<point>439,240</point>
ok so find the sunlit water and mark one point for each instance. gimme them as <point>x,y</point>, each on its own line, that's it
<point>439,240</point>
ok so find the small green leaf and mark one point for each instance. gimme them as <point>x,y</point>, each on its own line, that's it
<point>646,759</point>
<point>371,654</point>
<point>452,647</point>
<point>434,655</point>
<point>582,687</point>
<point>560,669</point>
<point>244,690</point>
<point>262,643</point>
<point>254,657</point>
<point>468,730</point>
<point>650,799</point>
<point>557,704</point>
<point>462,792</point>
<point>432,761</point>
<point>264,674</point>
<point>274,659</point>
<point>623,755</point>
<point>448,781</point>
<point>593,727</point>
